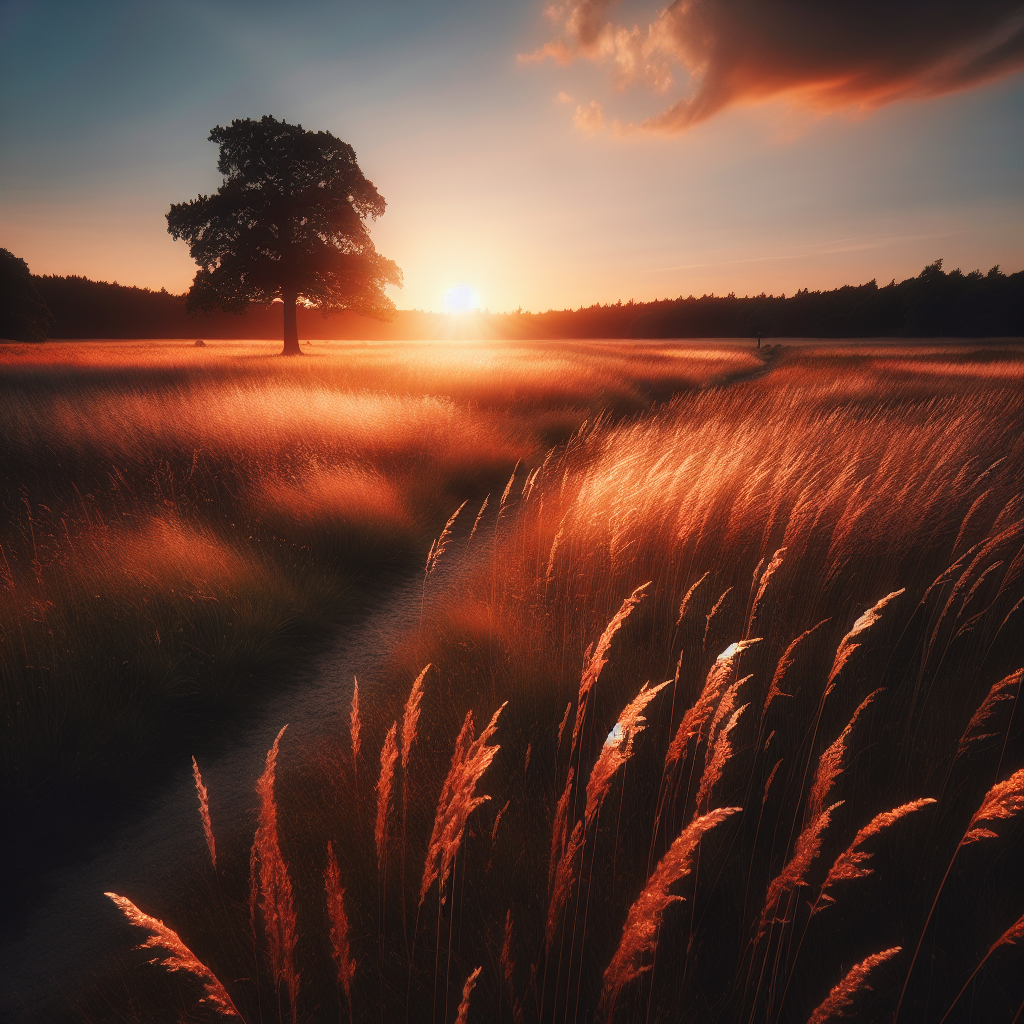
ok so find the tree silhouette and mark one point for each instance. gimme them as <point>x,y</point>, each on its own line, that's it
<point>24,315</point>
<point>288,223</point>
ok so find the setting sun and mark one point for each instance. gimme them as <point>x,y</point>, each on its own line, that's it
<point>461,298</point>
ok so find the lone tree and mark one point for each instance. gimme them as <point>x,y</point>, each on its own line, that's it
<point>288,223</point>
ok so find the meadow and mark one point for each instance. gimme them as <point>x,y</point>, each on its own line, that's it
<point>177,521</point>
<point>710,711</point>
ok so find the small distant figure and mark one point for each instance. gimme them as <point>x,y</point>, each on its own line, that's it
<point>200,343</point>
<point>759,342</point>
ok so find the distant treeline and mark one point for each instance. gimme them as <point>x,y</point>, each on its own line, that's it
<point>933,304</point>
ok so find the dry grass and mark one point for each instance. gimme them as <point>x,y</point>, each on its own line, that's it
<point>172,519</point>
<point>868,529</point>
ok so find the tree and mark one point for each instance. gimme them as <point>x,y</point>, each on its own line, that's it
<point>288,223</point>
<point>24,316</point>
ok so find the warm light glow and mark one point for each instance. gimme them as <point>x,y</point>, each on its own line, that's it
<point>461,298</point>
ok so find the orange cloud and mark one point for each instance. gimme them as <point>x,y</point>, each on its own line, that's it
<point>556,50</point>
<point>827,55</point>
<point>589,118</point>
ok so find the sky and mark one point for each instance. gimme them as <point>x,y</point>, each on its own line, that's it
<point>536,155</point>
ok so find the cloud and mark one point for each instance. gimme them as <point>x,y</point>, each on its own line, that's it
<point>589,118</point>
<point>556,50</point>
<point>826,54</point>
<point>564,97</point>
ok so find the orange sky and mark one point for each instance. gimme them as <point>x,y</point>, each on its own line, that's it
<point>630,164</point>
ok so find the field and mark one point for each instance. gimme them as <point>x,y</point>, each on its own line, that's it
<point>705,708</point>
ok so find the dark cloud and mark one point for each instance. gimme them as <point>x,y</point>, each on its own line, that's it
<point>827,54</point>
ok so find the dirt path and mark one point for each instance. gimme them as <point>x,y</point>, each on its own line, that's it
<point>75,927</point>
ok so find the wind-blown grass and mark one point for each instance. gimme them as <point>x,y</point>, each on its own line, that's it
<point>842,553</point>
<point>174,520</point>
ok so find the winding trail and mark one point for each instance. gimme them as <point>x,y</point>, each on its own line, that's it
<point>75,927</point>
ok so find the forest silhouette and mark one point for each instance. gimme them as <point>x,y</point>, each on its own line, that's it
<point>933,304</point>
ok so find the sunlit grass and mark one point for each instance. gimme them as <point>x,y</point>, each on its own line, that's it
<point>174,517</point>
<point>781,507</point>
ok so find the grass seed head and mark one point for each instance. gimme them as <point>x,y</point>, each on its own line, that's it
<point>204,812</point>
<point>181,957</point>
<point>830,764</point>
<point>276,899</point>
<point>388,757</point>
<point>640,934</point>
<point>339,927</point>
<point>411,718</point>
<point>617,749</point>
<point>1003,800</point>
<point>840,999</point>
<point>597,660</point>
<point>467,989</point>
<point>987,708</point>
<point>848,865</point>
<point>794,874</point>
<point>847,646</point>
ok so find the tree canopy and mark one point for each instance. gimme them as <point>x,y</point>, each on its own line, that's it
<point>24,315</point>
<point>288,223</point>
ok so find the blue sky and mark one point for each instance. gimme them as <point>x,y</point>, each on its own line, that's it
<point>495,173</point>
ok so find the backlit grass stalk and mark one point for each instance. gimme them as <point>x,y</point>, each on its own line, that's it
<point>643,922</point>
<point>1003,800</point>
<point>617,749</point>
<point>467,990</point>
<point>276,899</point>
<point>720,754</point>
<point>181,958</point>
<point>339,927</point>
<point>410,725</point>
<point>354,727</point>
<point>840,999</point>
<point>615,753</point>
<point>986,709</point>
<point>457,801</point>
<point>830,763</point>
<point>847,647</point>
<point>599,658</point>
<point>850,863</point>
<point>204,812</point>
<point>783,667</point>
<point>388,757</point>
<point>766,577</point>
<point>1012,935</point>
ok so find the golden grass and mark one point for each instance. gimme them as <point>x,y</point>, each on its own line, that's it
<point>643,923</point>
<point>173,515</point>
<point>867,529</point>
<point>277,901</point>
<point>840,999</point>
<point>340,947</point>
<point>849,864</point>
<point>204,813</point>
<point>180,958</point>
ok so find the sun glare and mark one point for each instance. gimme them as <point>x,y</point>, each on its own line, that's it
<point>461,298</point>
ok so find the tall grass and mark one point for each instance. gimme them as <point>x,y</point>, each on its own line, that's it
<point>835,549</point>
<point>173,520</point>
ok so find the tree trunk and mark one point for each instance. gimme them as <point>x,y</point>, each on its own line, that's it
<point>291,327</point>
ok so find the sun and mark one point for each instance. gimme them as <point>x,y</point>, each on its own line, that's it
<point>461,298</point>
